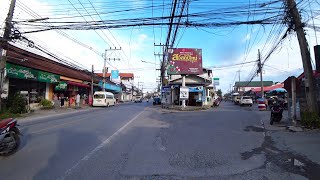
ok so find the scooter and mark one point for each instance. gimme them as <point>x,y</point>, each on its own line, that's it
<point>9,137</point>
<point>276,113</point>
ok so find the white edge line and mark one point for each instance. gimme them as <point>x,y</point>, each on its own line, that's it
<point>104,143</point>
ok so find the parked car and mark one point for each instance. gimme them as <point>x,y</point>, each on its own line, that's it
<point>101,98</point>
<point>246,100</point>
<point>156,101</point>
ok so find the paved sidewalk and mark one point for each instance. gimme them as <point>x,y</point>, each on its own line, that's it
<point>39,114</point>
<point>295,141</point>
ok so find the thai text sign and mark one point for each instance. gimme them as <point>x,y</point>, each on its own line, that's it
<point>61,86</point>
<point>48,77</point>
<point>185,61</point>
<point>20,72</point>
<point>184,93</point>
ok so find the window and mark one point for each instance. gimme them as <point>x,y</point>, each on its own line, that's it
<point>246,97</point>
<point>109,97</point>
<point>98,96</point>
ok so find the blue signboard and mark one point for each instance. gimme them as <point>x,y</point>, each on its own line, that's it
<point>114,74</point>
<point>111,87</point>
<point>196,89</point>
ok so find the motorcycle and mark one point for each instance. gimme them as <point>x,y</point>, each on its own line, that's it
<point>9,137</point>
<point>276,113</point>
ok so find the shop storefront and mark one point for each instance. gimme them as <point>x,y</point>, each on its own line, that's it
<point>68,88</point>
<point>196,96</point>
<point>38,84</point>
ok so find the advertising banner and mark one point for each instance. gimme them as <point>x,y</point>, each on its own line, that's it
<point>185,61</point>
<point>115,76</point>
<point>184,93</point>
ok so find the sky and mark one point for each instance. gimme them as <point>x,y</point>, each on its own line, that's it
<point>221,46</point>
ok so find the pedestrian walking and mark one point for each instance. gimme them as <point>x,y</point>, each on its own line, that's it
<point>61,100</point>
<point>78,100</point>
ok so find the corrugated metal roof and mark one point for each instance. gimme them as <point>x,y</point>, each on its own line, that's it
<point>25,58</point>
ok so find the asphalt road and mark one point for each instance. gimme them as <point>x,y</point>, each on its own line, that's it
<point>140,141</point>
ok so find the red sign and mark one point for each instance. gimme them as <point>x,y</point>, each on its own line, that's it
<point>185,61</point>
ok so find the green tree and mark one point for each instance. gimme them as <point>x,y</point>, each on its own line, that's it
<point>17,104</point>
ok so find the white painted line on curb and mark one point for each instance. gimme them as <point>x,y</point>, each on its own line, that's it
<point>104,143</point>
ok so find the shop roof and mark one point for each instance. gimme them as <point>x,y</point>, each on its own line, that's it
<point>267,88</point>
<point>25,58</point>
<point>315,74</point>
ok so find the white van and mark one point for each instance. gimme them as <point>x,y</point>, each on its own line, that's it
<point>101,98</point>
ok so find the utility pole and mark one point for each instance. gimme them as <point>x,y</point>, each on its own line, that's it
<point>3,47</point>
<point>260,70</point>
<point>92,75</point>
<point>239,81</point>
<point>310,87</point>
<point>104,65</point>
<point>294,99</point>
<point>162,64</point>
<point>183,85</point>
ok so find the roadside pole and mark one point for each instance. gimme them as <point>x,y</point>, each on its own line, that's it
<point>183,85</point>
<point>294,98</point>
<point>310,86</point>
<point>92,75</point>
<point>172,89</point>
<point>260,70</point>
<point>104,66</point>
<point>4,44</point>
<point>239,82</point>
<point>104,72</point>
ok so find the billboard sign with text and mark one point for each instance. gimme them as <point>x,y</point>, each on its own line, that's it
<point>184,61</point>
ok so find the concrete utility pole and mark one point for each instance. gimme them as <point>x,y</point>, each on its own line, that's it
<point>239,81</point>
<point>310,87</point>
<point>3,46</point>
<point>162,64</point>
<point>92,75</point>
<point>104,65</point>
<point>183,85</point>
<point>294,98</point>
<point>260,70</point>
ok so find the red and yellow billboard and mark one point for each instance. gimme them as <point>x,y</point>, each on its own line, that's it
<point>185,61</point>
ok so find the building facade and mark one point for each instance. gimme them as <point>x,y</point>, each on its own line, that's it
<point>40,77</point>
